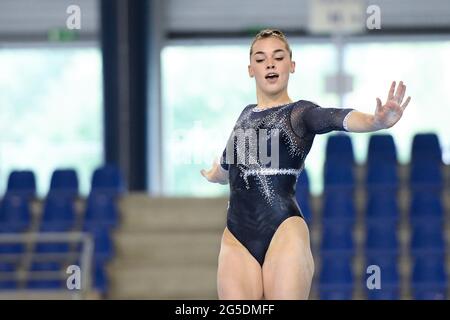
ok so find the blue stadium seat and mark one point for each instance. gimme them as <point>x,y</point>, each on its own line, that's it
<point>22,183</point>
<point>426,206</point>
<point>101,282</point>
<point>103,243</point>
<point>426,148</point>
<point>8,268</point>
<point>386,260</point>
<point>59,213</point>
<point>336,292</point>
<point>338,176</point>
<point>303,182</point>
<point>388,264</point>
<point>52,248</point>
<point>58,216</point>
<point>336,279</point>
<point>387,292</point>
<point>303,201</point>
<point>381,150</point>
<point>64,181</point>
<point>15,213</point>
<point>337,239</point>
<point>429,277</point>
<point>382,206</point>
<point>12,248</point>
<point>107,179</point>
<point>339,148</point>
<point>381,238</point>
<point>302,195</point>
<point>389,277</point>
<point>101,211</point>
<point>99,275</point>
<point>432,293</point>
<point>382,177</point>
<point>427,238</point>
<point>8,284</point>
<point>45,266</point>
<point>338,207</point>
<point>426,176</point>
<point>45,284</point>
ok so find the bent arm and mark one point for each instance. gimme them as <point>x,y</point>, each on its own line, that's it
<point>217,174</point>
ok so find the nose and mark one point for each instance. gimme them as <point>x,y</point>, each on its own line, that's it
<point>270,64</point>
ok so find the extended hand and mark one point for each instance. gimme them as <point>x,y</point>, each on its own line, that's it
<point>388,114</point>
<point>215,174</point>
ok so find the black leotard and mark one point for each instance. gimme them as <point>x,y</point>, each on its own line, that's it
<point>262,195</point>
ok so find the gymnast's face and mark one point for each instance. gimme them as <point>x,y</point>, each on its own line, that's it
<point>270,65</point>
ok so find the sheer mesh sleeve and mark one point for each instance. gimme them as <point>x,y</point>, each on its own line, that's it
<point>311,118</point>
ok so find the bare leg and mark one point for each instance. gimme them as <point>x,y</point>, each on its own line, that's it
<point>289,266</point>
<point>239,274</point>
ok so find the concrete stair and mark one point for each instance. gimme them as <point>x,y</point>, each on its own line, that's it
<point>167,248</point>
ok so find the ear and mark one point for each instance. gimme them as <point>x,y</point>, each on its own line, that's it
<point>292,69</point>
<point>250,71</point>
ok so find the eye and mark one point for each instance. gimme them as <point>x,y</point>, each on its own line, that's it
<point>259,60</point>
<point>279,58</point>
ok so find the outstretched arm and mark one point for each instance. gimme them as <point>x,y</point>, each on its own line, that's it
<point>385,115</point>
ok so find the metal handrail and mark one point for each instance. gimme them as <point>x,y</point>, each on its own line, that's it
<point>86,256</point>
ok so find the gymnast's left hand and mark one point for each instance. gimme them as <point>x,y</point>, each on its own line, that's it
<point>390,113</point>
<point>216,174</point>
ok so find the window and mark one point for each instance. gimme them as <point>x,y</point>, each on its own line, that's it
<point>51,112</point>
<point>421,65</point>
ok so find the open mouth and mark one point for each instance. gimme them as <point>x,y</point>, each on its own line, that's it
<point>272,76</point>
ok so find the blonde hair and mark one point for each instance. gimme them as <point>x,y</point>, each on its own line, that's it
<point>266,33</point>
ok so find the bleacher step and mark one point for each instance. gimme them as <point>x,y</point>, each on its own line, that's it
<point>169,247</point>
<point>144,213</point>
<point>165,282</point>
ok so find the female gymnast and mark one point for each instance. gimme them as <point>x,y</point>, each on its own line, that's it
<point>265,248</point>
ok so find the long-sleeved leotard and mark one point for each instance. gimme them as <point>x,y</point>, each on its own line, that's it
<point>263,176</point>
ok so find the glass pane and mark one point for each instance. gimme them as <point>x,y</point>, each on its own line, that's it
<point>51,112</point>
<point>420,65</point>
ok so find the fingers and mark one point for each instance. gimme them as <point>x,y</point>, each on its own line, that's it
<point>400,93</point>
<point>391,91</point>
<point>406,103</point>
<point>378,109</point>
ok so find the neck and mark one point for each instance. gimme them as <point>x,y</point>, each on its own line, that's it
<point>267,101</point>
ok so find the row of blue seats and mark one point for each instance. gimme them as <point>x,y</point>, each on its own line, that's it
<point>59,212</point>
<point>427,281</point>
<point>383,238</point>
<point>383,177</point>
<point>99,219</point>
<point>99,276</point>
<point>339,206</point>
<point>425,149</point>
<point>425,171</point>
<point>105,179</point>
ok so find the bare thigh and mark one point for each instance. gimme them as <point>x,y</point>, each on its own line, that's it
<point>289,266</point>
<point>239,274</point>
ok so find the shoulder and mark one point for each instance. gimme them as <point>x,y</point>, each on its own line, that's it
<point>244,114</point>
<point>249,107</point>
<point>305,105</point>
